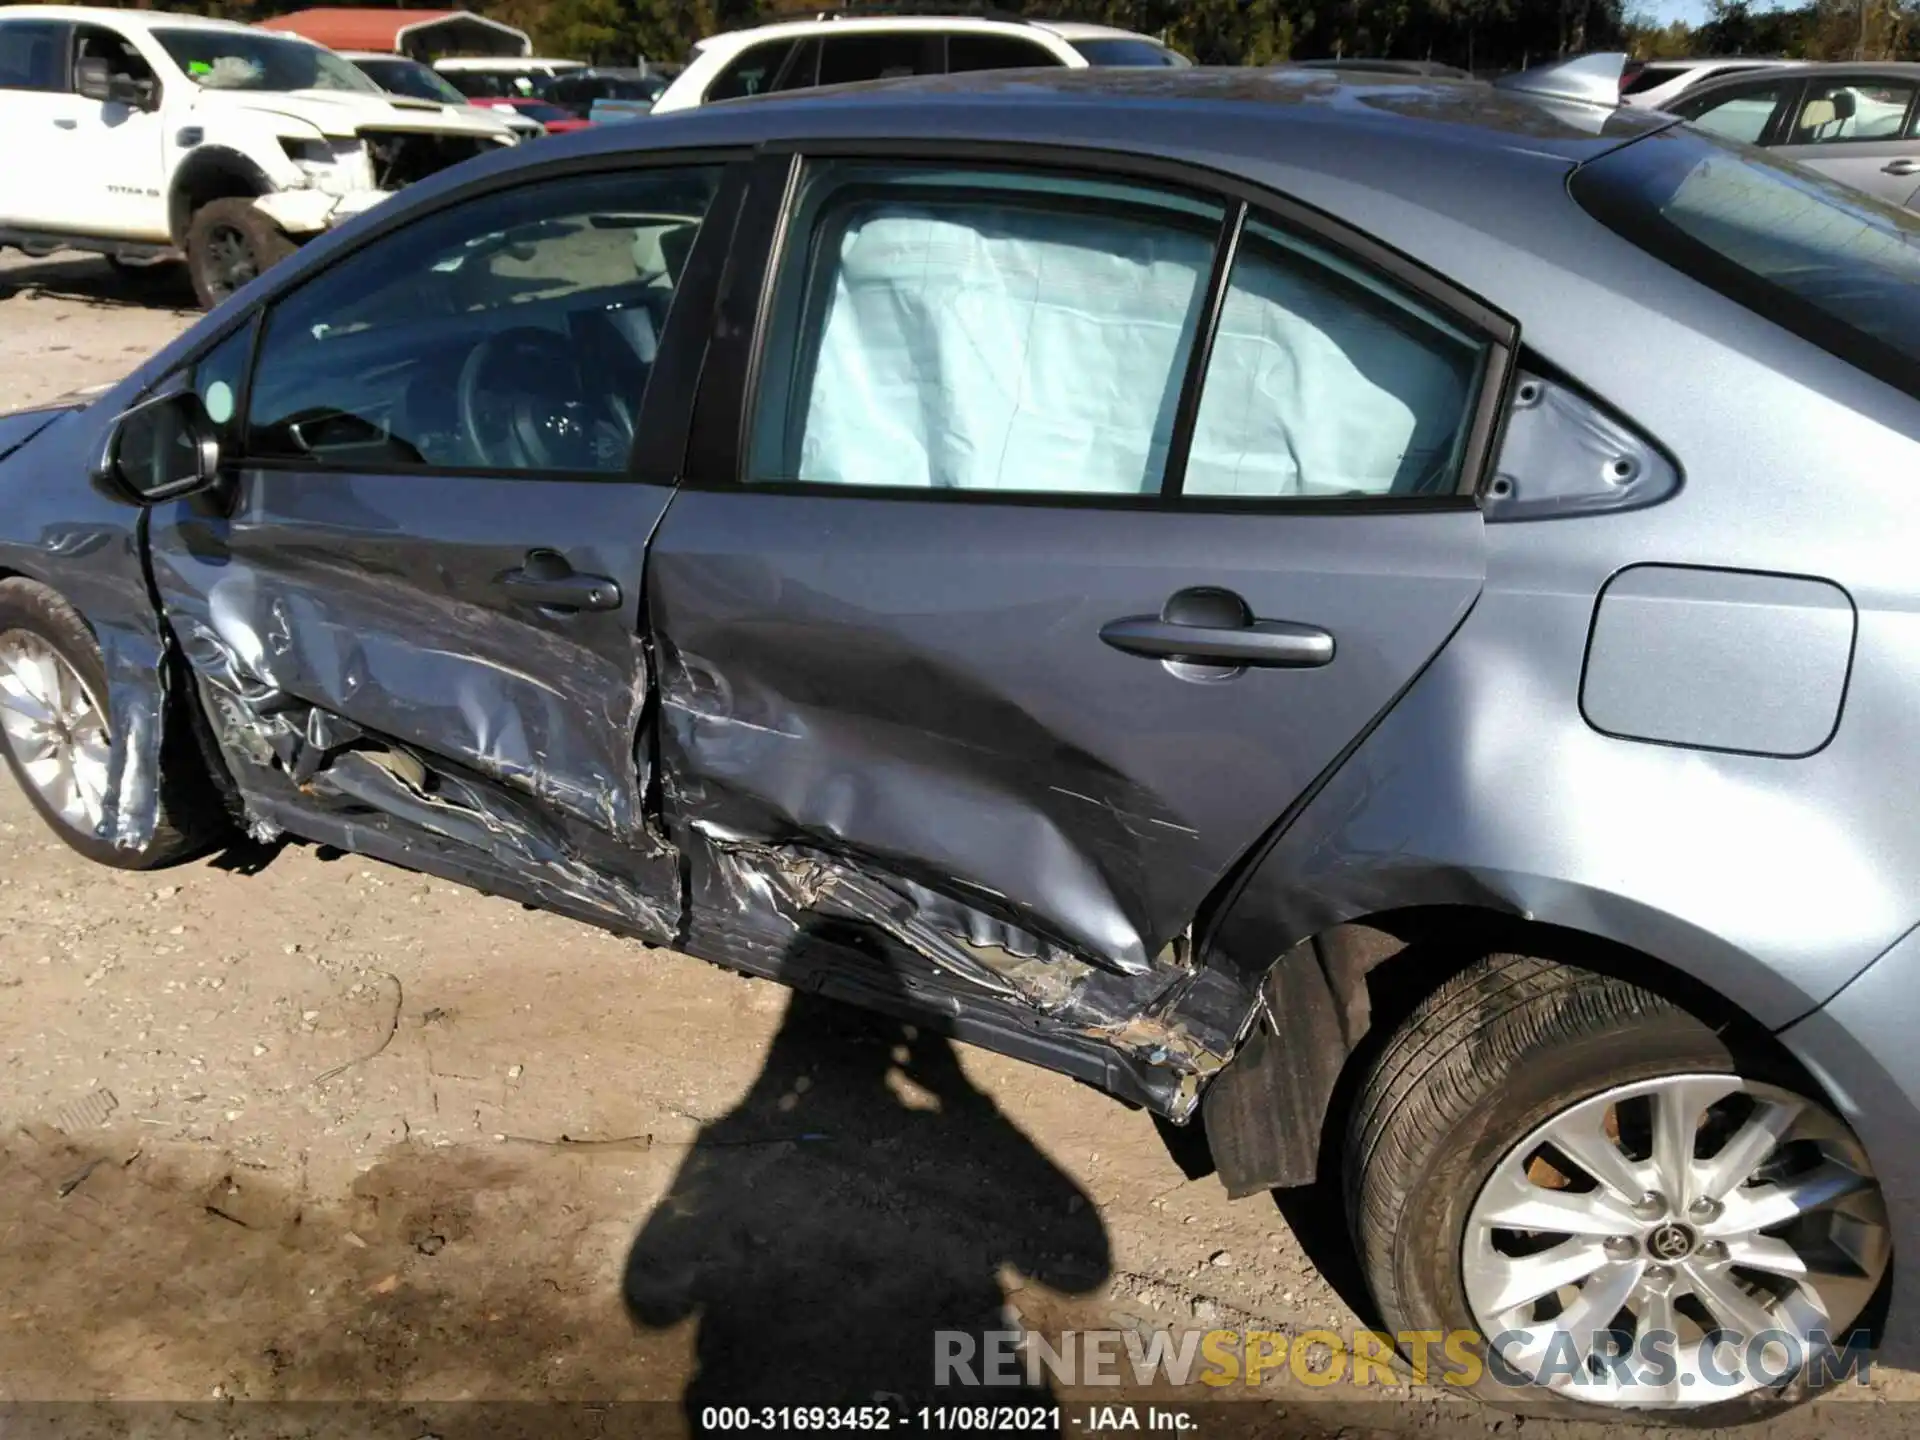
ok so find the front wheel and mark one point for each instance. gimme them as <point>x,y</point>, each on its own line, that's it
<point>229,242</point>
<point>55,729</point>
<point>1629,1214</point>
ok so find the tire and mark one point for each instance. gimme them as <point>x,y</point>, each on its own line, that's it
<point>1445,1128</point>
<point>229,242</point>
<point>190,816</point>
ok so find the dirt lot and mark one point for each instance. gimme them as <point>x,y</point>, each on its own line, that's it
<point>288,1125</point>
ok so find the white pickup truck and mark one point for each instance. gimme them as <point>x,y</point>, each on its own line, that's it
<point>147,136</point>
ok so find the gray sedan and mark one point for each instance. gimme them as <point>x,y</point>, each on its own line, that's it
<point>1373,615</point>
<point>1859,123</point>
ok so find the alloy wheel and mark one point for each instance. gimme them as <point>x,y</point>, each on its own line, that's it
<point>1684,1217</point>
<point>55,727</point>
<point>230,258</point>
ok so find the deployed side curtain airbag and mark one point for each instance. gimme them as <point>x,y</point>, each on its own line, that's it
<point>1002,347</point>
<point>1321,386</point>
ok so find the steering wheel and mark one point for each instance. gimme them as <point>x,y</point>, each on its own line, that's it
<point>524,405</point>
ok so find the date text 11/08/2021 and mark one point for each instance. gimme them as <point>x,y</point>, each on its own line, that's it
<point>937,1419</point>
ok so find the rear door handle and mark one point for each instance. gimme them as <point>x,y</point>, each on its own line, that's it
<point>1275,644</point>
<point>1903,166</point>
<point>548,582</point>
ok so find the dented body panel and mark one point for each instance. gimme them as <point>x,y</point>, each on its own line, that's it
<point>333,619</point>
<point>931,705</point>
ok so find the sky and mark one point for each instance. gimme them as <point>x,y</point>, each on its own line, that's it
<point>1691,11</point>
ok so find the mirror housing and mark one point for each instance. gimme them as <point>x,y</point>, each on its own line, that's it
<point>159,450</point>
<point>93,79</point>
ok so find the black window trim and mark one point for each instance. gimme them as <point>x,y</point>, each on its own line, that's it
<point>659,405</point>
<point>721,443</point>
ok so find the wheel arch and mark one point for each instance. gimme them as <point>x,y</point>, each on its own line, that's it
<point>212,172</point>
<point>1275,1115</point>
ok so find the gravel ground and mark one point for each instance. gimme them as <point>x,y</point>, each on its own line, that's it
<point>286,1124</point>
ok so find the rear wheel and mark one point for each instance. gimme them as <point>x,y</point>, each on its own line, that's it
<point>1577,1170</point>
<point>56,731</point>
<point>229,242</point>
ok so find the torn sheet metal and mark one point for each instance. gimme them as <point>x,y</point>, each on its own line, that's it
<point>753,761</point>
<point>263,728</point>
<point>1172,1016</point>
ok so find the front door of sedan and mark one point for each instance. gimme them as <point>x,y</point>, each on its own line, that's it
<point>1074,524</point>
<point>414,609</point>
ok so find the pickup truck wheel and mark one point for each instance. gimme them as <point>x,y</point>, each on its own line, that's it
<point>229,242</point>
<point>1634,1212</point>
<point>57,735</point>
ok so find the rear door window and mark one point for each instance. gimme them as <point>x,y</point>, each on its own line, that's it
<point>851,59</point>
<point>752,72</point>
<point>974,330</point>
<point>1829,262</point>
<point>944,329</point>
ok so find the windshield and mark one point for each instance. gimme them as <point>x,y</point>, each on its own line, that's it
<point>253,60</point>
<point>1123,50</point>
<point>1829,262</point>
<point>410,77</point>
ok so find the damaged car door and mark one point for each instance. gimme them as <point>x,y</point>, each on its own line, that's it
<point>413,609</point>
<point>1057,530</point>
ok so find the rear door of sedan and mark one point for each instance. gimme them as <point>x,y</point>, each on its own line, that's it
<point>413,608</point>
<point>1051,524</point>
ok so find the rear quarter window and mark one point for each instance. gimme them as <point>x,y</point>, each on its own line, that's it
<point>1830,263</point>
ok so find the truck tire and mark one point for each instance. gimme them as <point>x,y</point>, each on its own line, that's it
<point>1542,1155</point>
<point>54,728</point>
<point>229,242</point>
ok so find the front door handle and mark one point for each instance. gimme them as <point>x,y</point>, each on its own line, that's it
<point>1906,165</point>
<point>548,582</point>
<point>66,124</point>
<point>1275,644</point>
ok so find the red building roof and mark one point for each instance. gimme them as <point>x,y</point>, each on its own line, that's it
<point>402,31</point>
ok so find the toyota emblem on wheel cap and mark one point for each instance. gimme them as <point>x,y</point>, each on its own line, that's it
<point>1670,1242</point>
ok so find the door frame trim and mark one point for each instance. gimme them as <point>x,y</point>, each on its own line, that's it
<point>723,416</point>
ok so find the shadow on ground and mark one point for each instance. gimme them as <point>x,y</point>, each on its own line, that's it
<point>94,280</point>
<point>863,1198</point>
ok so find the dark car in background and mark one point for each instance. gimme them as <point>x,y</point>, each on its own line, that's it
<point>578,91</point>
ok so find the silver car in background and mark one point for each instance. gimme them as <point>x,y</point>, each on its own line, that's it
<point>1859,123</point>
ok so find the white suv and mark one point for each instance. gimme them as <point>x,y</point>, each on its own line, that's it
<point>146,136</point>
<point>838,50</point>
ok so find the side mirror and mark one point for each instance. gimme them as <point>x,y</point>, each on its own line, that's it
<point>93,79</point>
<point>159,450</point>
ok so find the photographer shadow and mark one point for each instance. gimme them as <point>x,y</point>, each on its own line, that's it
<point>851,1214</point>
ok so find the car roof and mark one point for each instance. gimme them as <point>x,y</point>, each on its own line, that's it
<point>1811,69</point>
<point>125,19</point>
<point>1067,30</point>
<point>515,63</point>
<point>1754,62</point>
